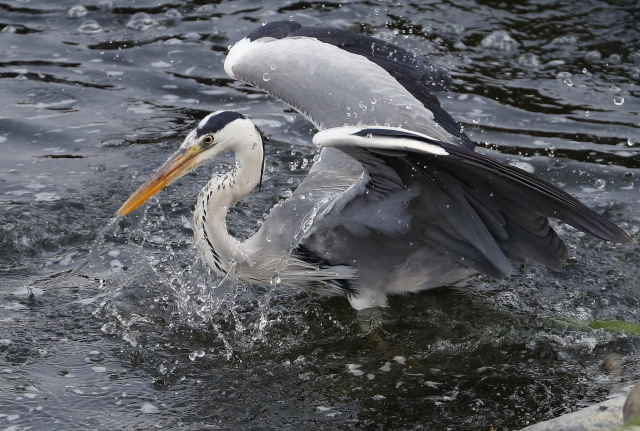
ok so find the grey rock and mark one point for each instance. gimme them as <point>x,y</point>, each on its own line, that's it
<point>604,416</point>
<point>632,405</point>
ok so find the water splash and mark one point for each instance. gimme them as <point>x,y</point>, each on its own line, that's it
<point>301,231</point>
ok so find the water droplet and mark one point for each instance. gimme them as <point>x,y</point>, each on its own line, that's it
<point>141,21</point>
<point>369,135</point>
<point>476,120</point>
<point>77,11</point>
<point>568,82</point>
<point>618,100</point>
<point>529,60</point>
<point>500,40</point>
<point>173,14</point>
<point>293,117</point>
<point>205,10</point>
<point>373,101</point>
<point>586,113</point>
<point>266,77</point>
<point>105,5</point>
<point>599,184</point>
<point>89,27</point>
<point>273,66</point>
<point>450,29</point>
<point>362,105</point>
<point>265,22</point>
<point>408,106</point>
<point>631,142</point>
<point>593,56</point>
<point>614,58</point>
<point>192,36</point>
<point>584,70</point>
<point>192,356</point>
<point>163,64</point>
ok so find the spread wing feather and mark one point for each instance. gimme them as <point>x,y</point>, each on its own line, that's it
<point>474,209</point>
<point>410,73</point>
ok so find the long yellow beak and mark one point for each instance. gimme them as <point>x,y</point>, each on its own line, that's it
<point>179,164</point>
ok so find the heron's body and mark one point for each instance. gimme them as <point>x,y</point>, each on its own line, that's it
<point>308,241</point>
<point>399,200</point>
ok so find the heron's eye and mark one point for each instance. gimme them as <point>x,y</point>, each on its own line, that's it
<point>208,139</point>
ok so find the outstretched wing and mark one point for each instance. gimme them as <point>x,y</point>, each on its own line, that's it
<point>335,77</point>
<point>477,210</point>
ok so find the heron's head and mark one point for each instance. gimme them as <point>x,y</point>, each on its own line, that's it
<point>216,133</point>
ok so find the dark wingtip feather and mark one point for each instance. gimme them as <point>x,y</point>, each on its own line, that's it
<point>538,194</point>
<point>526,189</point>
<point>624,237</point>
<point>609,230</point>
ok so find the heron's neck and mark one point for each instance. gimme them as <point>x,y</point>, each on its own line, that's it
<point>216,247</point>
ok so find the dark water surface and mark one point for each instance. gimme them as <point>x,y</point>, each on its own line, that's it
<point>115,325</point>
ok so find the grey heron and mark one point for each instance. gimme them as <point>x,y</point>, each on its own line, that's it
<point>399,200</point>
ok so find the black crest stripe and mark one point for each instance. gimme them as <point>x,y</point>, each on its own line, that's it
<point>217,122</point>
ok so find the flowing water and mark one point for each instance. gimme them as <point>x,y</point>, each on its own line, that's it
<point>114,324</point>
